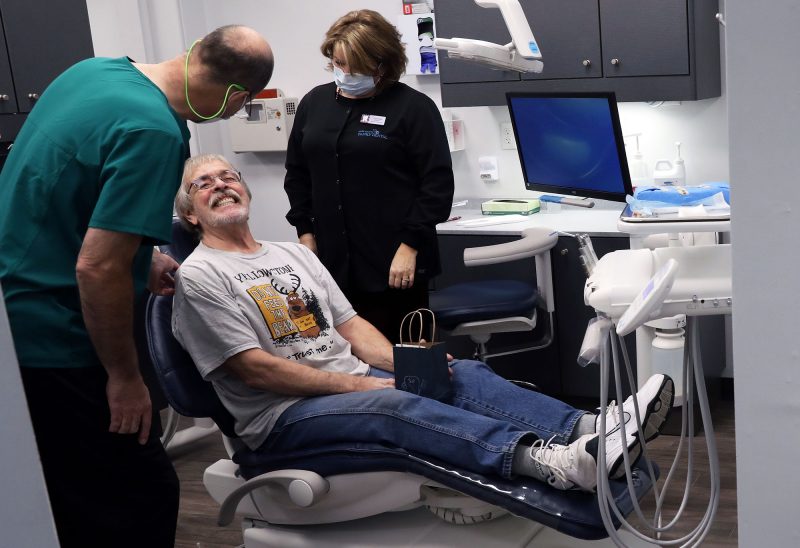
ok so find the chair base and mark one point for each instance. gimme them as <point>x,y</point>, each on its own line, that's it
<point>350,496</point>
<point>419,528</point>
<point>177,441</point>
<point>481,339</point>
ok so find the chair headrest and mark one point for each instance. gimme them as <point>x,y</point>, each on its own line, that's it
<point>185,389</point>
<point>182,244</point>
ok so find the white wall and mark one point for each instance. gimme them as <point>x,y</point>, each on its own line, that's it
<point>763,84</point>
<point>117,28</point>
<point>296,28</point>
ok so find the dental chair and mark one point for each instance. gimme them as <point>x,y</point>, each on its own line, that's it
<point>380,496</point>
<point>482,308</point>
<point>182,244</point>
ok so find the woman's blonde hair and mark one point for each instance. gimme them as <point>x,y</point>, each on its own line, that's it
<point>370,42</point>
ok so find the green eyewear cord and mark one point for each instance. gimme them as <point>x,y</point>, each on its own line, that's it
<point>237,87</point>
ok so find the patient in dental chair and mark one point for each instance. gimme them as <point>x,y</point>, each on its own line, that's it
<point>301,373</point>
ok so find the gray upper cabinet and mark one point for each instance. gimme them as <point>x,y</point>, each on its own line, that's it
<point>42,38</point>
<point>643,50</point>
<point>645,37</point>
<point>8,99</point>
<point>569,33</point>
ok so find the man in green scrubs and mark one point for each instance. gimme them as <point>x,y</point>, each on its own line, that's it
<point>87,192</point>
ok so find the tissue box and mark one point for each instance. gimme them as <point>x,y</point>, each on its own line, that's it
<point>510,207</point>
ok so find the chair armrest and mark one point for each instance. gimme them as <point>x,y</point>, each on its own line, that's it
<point>534,241</point>
<point>303,486</point>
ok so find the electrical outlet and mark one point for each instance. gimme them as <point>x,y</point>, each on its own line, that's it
<point>507,141</point>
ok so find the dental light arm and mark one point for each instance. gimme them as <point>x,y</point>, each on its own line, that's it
<point>521,54</point>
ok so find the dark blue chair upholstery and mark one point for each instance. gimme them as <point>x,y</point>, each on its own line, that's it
<point>184,388</point>
<point>482,300</point>
<point>182,244</point>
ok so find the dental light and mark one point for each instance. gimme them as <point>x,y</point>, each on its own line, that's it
<point>521,54</point>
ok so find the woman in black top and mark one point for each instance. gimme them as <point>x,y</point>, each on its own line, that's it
<point>368,173</point>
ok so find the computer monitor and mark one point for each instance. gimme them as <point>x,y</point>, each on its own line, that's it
<point>571,143</point>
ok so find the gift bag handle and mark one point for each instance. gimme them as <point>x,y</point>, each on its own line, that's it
<point>417,314</point>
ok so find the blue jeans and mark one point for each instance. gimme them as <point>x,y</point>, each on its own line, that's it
<point>477,429</point>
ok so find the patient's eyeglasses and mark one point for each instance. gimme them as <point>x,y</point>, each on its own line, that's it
<point>206,181</point>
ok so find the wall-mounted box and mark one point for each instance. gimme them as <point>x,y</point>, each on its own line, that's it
<point>268,124</point>
<point>454,129</point>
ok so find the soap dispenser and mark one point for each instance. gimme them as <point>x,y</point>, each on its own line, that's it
<point>680,167</point>
<point>668,172</point>
<point>640,175</point>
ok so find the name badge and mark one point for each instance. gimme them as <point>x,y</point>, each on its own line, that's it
<point>373,119</point>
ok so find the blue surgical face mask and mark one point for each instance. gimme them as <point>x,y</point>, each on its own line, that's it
<point>353,84</point>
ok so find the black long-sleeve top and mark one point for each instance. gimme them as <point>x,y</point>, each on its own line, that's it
<point>364,175</point>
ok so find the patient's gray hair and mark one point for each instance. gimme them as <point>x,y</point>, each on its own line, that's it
<point>183,201</point>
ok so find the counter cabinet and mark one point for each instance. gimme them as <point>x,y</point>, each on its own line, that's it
<point>554,369</point>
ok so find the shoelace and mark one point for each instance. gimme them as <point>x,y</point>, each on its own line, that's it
<point>545,454</point>
<point>612,416</point>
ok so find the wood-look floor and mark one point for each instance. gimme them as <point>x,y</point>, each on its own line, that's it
<point>197,520</point>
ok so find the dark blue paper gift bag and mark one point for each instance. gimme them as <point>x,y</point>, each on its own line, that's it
<point>421,367</point>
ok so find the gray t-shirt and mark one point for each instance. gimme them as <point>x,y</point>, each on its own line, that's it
<point>280,299</point>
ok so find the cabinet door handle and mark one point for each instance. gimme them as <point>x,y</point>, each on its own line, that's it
<point>33,96</point>
<point>4,97</point>
<point>587,63</point>
<point>615,61</point>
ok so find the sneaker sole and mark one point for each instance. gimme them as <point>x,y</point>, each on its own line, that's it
<point>659,409</point>
<point>654,416</point>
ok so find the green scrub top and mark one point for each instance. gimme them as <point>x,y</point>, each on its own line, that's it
<point>103,149</point>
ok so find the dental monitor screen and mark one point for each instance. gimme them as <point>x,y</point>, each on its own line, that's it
<point>570,144</point>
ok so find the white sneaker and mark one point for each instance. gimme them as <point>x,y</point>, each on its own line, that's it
<point>572,466</point>
<point>654,400</point>
<point>614,446</point>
